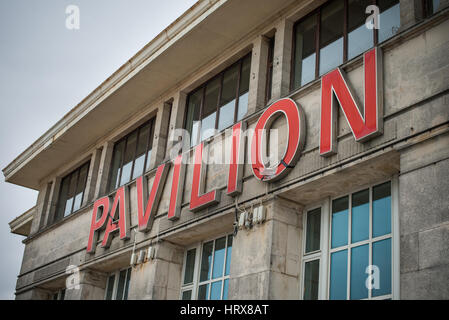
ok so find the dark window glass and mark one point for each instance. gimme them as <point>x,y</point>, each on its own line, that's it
<point>190,266</point>
<point>270,70</point>
<point>110,287</point>
<point>203,292</point>
<point>218,103</point>
<point>121,285</point>
<point>244,88</point>
<point>313,230</point>
<point>72,192</point>
<point>311,280</point>
<point>206,260</point>
<point>187,295</point>
<point>431,7</point>
<point>131,155</point>
<point>305,55</point>
<point>210,108</point>
<point>193,115</point>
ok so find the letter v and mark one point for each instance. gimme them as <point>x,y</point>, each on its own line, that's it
<point>145,220</point>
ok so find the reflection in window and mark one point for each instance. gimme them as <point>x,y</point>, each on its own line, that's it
<point>304,66</point>
<point>131,155</point>
<point>213,276</point>
<point>342,36</point>
<point>219,103</point>
<point>71,192</point>
<point>370,243</point>
<point>331,36</point>
<point>117,285</point>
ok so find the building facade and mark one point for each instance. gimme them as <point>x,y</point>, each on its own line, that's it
<point>162,183</point>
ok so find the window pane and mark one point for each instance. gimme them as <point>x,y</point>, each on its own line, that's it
<point>193,115</point>
<point>340,222</point>
<point>226,117</point>
<point>244,88</point>
<point>244,78</point>
<point>228,256</point>
<point>128,158</point>
<point>311,280</point>
<point>304,61</point>
<point>190,266</point>
<point>148,158</point>
<point>71,193</point>
<point>128,279</point>
<point>81,186</point>
<point>144,133</point>
<point>389,19</point>
<point>243,106</point>
<point>206,260</point>
<point>382,259</point>
<point>219,255</point>
<point>187,295</point>
<point>382,209</point>
<point>359,262</point>
<point>110,289</point>
<point>203,292</point>
<point>215,290</point>
<point>229,89</point>
<point>313,230</point>
<point>331,36</point>
<point>360,38</point>
<point>121,285</point>
<point>116,161</point>
<point>338,276</point>
<point>208,126</point>
<point>225,289</point>
<point>360,216</point>
<point>63,196</point>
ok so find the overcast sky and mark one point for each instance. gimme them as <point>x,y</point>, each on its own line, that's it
<point>46,69</point>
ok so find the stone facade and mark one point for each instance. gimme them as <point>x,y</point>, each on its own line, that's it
<point>266,259</point>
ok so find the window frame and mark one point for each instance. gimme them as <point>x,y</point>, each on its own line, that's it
<point>202,88</point>
<point>323,255</point>
<point>60,215</point>
<point>149,146</point>
<point>196,283</point>
<point>116,275</point>
<point>317,12</point>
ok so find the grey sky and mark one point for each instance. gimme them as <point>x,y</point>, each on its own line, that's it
<point>46,69</point>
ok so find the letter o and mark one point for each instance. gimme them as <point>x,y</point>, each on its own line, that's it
<point>295,139</point>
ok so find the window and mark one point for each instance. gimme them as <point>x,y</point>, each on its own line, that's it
<point>358,252</point>
<point>336,33</point>
<point>59,295</point>
<point>117,285</point>
<point>218,103</point>
<point>430,7</point>
<point>131,155</point>
<point>269,69</point>
<point>206,270</point>
<point>71,192</point>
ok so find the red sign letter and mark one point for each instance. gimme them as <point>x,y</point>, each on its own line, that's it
<point>177,187</point>
<point>236,161</point>
<point>296,138</point>
<point>97,224</point>
<point>197,201</point>
<point>146,219</point>
<point>335,85</point>
<point>121,203</point>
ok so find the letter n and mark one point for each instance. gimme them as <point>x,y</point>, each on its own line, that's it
<point>335,89</point>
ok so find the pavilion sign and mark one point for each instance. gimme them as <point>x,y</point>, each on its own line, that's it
<point>112,213</point>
